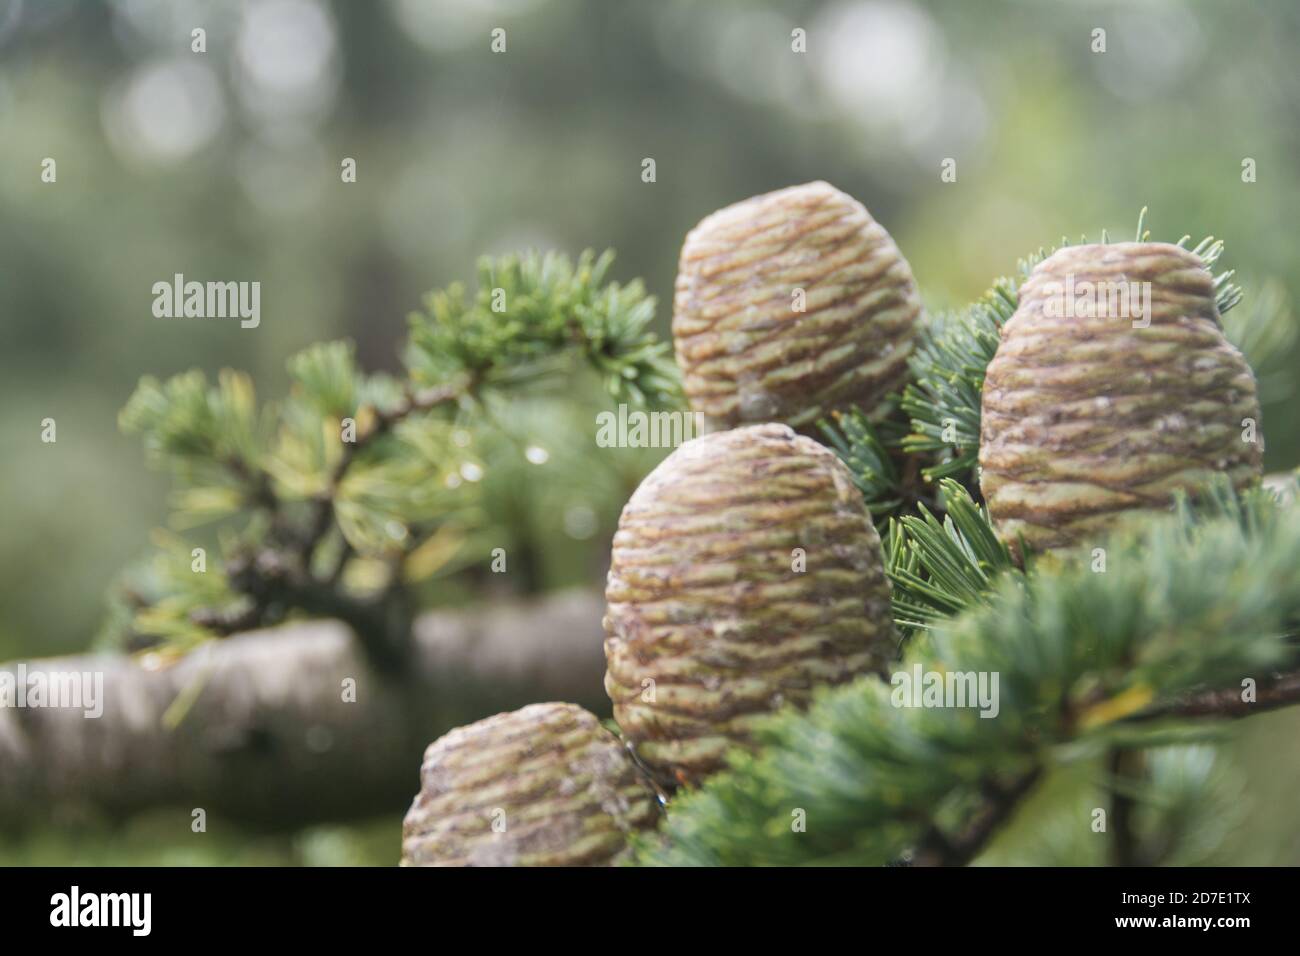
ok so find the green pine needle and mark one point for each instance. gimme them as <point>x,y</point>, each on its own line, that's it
<point>531,316</point>
<point>864,447</point>
<point>949,365</point>
<point>942,567</point>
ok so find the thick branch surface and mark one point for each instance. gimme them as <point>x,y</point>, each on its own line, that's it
<point>269,739</point>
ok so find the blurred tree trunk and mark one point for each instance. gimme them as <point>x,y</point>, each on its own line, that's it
<point>269,739</point>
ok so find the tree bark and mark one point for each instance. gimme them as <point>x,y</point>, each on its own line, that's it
<point>269,739</point>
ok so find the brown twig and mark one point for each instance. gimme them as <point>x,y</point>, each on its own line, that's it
<point>1000,800</point>
<point>1124,767</point>
<point>1275,691</point>
<point>384,421</point>
<point>280,576</point>
<point>382,623</point>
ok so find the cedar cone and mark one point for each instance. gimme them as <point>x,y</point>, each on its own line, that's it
<point>747,355</point>
<point>713,619</point>
<point>1086,417</point>
<point>543,786</point>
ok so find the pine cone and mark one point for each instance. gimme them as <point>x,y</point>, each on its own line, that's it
<point>709,623</point>
<point>542,786</point>
<point>1086,416</point>
<point>747,355</point>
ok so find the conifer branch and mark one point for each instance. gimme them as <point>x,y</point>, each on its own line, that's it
<point>1276,691</point>
<point>381,422</point>
<point>1083,659</point>
<point>1000,800</point>
<point>941,567</point>
<point>250,745</point>
<point>949,365</point>
<point>871,451</point>
<point>316,517</point>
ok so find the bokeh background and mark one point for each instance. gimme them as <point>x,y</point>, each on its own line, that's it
<point>225,165</point>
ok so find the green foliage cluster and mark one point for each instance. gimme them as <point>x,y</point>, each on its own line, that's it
<point>355,485</point>
<point>867,449</point>
<point>941,567</point>
<point>530,316</point>
<point>943,401</point>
